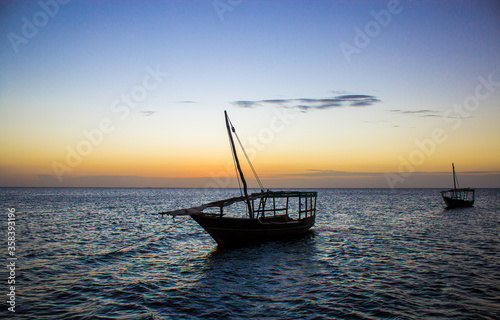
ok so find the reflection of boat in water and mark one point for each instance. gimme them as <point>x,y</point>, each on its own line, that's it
<point>458,197</point>
<point>270,215</point>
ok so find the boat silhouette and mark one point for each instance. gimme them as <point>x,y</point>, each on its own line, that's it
<point>458,197</point>
<point>269,215</point>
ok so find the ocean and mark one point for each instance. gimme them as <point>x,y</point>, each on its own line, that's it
<point>105,253</point>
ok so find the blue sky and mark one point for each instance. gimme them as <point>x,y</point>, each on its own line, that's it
<point>426,59</point>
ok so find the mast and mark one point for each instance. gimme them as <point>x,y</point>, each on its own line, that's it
<point>250,212</point>
<point>454,178</point>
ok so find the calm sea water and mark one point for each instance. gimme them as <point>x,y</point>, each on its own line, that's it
<point>373,254</point>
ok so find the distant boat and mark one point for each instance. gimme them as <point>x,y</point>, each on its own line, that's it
<point>458,197</point>
<point>269,215</point>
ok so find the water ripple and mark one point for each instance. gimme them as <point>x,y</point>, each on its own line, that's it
<point>374,253</point>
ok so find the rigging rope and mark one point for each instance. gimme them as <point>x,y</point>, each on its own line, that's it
<point>235,167</point>
<point>458,184</point>
<point>246,156</point>
<point>237,176</point>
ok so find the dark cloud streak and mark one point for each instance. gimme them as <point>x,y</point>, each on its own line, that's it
<point>424,113</point>
<point>148,113</point>
<point>246,104</point>
<point>306,104</point>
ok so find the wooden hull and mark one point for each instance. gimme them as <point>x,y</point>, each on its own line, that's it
<point>458,198</point>
<point>229,232</point>
<point>457,203</point>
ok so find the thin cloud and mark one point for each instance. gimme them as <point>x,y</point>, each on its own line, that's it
<point>246,104</point>
<point>354,97</point>
<point>276,101</point>
<point>361,104</point>
<point>307,104</point>
<point>148,113</point>
<point>339,92</point>
<point>423,113</point>
<point>430,116</point>
<point>319,173</point>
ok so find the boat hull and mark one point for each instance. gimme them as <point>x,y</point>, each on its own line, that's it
<point>458,198</point>
<point>457,203</point>
<point>230,232</point>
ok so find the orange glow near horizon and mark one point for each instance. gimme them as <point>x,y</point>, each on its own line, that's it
<point>125,106</point>
<point>300,149</point>
<point>207,161</point>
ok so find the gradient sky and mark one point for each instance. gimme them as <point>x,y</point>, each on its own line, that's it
<point>322,93</point>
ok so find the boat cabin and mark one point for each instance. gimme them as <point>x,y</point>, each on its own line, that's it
<point>269,205</point>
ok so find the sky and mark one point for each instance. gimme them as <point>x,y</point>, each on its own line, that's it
<point>323,94</point>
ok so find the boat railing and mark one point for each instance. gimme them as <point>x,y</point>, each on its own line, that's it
<point>269,203</point>
<point>465,194</point>
<point>281,202</point>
